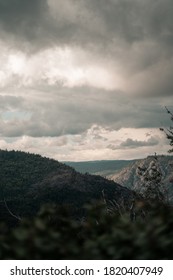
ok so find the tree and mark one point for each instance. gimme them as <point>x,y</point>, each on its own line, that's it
<point>169,134</point>
<point>151,176</point>
<point>169,131</point>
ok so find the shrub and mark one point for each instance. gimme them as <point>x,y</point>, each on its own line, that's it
<point>54,234</point>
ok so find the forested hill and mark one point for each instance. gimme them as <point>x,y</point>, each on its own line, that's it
<point>28,181</point>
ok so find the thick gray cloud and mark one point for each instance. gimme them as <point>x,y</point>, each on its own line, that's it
<point>135,37</point>
<point>8,101</point>
<point>92,21</point>
<point>135,144</point>
<point>130,143</point>
<point>23,20</point>
<point>72,111</point>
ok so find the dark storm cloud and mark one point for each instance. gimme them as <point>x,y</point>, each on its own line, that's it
<point>135,20</point>
<point>23,21</point>
<point>136,36</point>
<point>92,21</point>
<point>33,25</point>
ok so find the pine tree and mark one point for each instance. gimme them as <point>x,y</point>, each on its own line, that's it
<point>169,134</point>
<point>169,131</point>
<point>151,177</point>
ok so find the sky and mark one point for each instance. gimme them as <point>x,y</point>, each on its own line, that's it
<point>86,79</point>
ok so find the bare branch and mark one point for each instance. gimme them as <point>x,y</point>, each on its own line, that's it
<point>9,211</point>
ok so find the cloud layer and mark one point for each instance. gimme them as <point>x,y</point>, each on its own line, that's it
<point>68,65</point>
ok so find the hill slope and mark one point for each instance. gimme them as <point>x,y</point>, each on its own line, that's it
<point>28,181</point>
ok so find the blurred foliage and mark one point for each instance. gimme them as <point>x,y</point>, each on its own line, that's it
<point>123,226</point>
<point>55,234</point>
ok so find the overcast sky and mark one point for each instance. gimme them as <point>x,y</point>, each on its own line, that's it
<point>86,79</point>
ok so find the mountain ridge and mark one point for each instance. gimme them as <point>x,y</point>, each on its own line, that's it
<point>123,172</point>
<point>28,181</point>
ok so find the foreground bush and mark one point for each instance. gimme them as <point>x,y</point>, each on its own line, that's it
<point>54,234</point>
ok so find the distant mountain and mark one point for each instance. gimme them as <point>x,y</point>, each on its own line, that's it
<point>123,172</point>
<point>28,181</point>
<point>102,167</point>
<point>127,176</point>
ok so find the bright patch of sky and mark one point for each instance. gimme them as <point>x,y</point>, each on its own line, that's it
<point>69,67</point>
<point>97,143</point>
